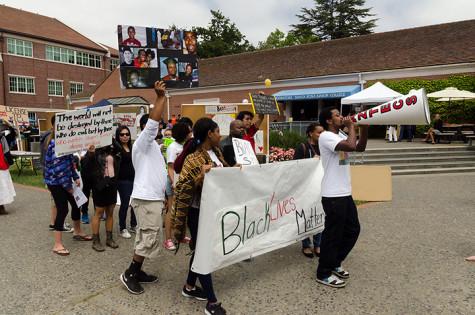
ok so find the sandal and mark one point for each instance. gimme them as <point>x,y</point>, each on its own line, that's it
<point>309,255</point>
<point>82,237</point>
<point>61,252</point>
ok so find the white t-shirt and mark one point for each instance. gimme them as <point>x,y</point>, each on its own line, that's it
<point>336,179</point>
<point>150,169</point>
<point>173,151</point>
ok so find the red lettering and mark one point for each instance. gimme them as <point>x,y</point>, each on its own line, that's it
<point>385,108</point>
<point>398,104</point>
<point>353,119</point>
<point>363,115</point>
<point>292,203</point>
<point>373,111</point>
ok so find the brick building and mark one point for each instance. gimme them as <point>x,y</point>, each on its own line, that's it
<point>43,62</point>
<point>308,77</point>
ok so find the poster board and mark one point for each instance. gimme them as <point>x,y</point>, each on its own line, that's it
<point>371,182</point>
<point>15,115</point>
<point>244,153</point>
<point>196,111</point>
<point>126,119</point>
<point>77,130</point>
<point>150,54</point>
<point>264,104</point>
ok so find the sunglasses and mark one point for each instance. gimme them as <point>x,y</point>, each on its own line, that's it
<point>124,134</point>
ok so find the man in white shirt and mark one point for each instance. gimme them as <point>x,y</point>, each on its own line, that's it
<point>148,195</point>
<point>342,226</point>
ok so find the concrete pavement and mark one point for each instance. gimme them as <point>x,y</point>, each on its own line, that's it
<point>409,260</point>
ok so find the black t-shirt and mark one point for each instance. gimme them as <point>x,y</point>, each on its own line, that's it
<point>306,150</point>
<point>126,171</point>
<point>438,124</point>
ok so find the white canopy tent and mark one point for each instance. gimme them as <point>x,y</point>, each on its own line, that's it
<point>376,94</point>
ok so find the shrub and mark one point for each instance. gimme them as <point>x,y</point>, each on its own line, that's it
<point>285,139</point>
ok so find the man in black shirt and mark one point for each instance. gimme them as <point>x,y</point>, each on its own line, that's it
<point>236,130</point>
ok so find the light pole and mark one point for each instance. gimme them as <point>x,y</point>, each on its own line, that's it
<point>50,103</point>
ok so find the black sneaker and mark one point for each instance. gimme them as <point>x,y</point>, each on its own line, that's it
<point>196,293</point>
<point>142,277</point>
<point>131,283</point>
<point>214,309</point>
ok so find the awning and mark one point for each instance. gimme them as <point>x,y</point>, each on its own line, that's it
<point>317,93</point>
<point>118,101</point>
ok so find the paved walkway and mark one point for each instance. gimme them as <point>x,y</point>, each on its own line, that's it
<point>409,260</point>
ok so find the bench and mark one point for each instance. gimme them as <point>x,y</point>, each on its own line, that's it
<point>469,139</point>
<point>448,136</point>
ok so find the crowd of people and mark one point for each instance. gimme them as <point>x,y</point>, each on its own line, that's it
<point>163,171</point>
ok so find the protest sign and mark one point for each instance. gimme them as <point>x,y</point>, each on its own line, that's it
<point>244,153</point>
<point>264,104</point>
<point>257,209</point>
<point>16,115</point>
<point>126,119</point>
<point>79,196</point>
<point>77,130</point>
<point>150,54</point>
<point>223,121</point>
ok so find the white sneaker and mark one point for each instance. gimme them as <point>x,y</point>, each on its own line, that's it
<point>68,228</point>
<point>125,234</point>
<point>332,281</point>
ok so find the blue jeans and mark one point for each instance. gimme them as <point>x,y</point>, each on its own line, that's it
<point>316,241</point>
<point>125,188</point>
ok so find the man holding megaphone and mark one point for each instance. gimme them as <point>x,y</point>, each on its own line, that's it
<point>342,226</point>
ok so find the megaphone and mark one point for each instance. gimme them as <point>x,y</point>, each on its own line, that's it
<point>411,109</point>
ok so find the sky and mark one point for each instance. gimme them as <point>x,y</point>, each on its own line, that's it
<point>254,18</point>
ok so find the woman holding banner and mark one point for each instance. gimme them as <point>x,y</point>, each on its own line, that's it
<point>59,175</point>
<point>201,156</point>
<point>103,167</point>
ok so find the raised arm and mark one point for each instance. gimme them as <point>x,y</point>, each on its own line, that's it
<point>348,145</point>
<point>159,105</point>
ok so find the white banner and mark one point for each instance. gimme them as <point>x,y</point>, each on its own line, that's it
<point>257,209</point>
<point>244,153</point>
<point>77,130</point>
<point>126,119</point>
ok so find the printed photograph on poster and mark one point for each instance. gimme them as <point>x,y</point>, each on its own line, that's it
<point>189,43</point>
<point>169,39</point>
<point>188,73</point>
<point>132,78</point>
<point>160,54</point>
<point>132,36</point>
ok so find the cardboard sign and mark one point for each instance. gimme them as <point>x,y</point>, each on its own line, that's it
<point>77,130</point>
<point>257,209</point>
<point>244,153</point>
<point>264,104</point>
<point>221,109</point>
<point>126,119</point>
<point>150,54</point>
<point>15,115</point>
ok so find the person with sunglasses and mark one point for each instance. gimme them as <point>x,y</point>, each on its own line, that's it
<point>125,180</point>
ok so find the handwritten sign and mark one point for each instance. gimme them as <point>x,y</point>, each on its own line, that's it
<point>257,209</point>
<point>126,119</point>
<point>264,104</point>
<point>221,109</point>
<point>16,115</point>
<point>244,153</point>
<point>77,130</point>
<point>223,121</point>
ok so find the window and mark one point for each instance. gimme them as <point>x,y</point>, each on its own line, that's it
<point>114,63</point>
<point>19,47</point>
<point>75,88</point>
<point>55,88</point>
<point>32,118</point>
<point>67,55</point>
<point>24,85</point>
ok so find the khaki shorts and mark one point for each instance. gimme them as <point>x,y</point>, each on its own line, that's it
<point>149,227</point>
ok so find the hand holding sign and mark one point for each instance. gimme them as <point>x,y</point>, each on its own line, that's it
<point>244,153</point>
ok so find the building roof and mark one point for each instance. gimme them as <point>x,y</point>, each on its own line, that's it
<point>448,43</point>
<point>24,23</point>
<point>113,51</point>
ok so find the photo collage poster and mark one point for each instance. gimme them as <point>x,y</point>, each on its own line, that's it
<point>149,54</point>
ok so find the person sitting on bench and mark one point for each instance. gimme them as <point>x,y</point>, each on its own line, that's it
<point>435,129</point>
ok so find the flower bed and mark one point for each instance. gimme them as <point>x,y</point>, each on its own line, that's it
<point>278,154</point>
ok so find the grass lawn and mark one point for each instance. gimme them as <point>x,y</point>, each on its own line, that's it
<point>27,177</point>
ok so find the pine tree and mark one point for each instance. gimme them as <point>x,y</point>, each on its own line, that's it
<point>332,19</point>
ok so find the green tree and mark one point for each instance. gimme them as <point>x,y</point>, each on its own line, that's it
<point>221,37</point>
<point>278,39</point>
<point>332,19</point>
